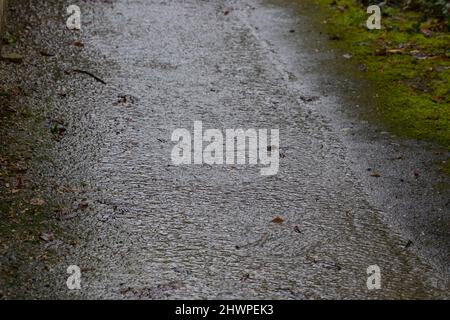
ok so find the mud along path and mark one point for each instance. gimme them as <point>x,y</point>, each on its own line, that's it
<point>149,229</point>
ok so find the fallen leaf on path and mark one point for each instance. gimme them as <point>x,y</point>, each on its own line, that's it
<point>46,54</point>
<point>47,237</point>
<point>37,202</point>
<point>278,220</point>
<point>83,205</point>
<point>78,44</point>
<point>375,174</point>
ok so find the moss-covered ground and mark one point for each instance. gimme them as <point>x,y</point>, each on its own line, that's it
<point>407,61</point>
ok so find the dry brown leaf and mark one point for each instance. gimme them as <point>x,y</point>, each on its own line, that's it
<point>37,202</point>
<point>78,44</point>
<point>47,237</point>
<point>375,174</point>
<point>278,220</point>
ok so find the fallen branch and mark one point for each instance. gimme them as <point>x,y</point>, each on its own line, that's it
<point>89,74</point>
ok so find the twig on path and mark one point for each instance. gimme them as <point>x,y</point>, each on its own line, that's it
<point>89,74</point>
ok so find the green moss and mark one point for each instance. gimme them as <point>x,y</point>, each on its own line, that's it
<point>409,69</point>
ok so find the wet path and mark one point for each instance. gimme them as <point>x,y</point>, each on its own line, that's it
<point>199,231</point>
<point>205,231</point>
